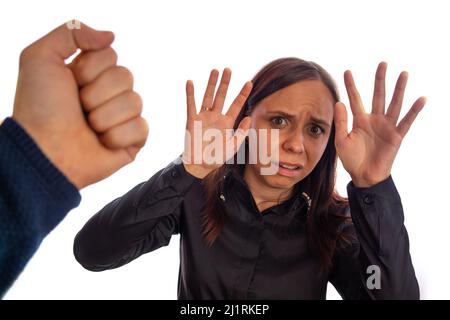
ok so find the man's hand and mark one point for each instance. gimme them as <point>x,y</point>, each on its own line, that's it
<point>84,116</point>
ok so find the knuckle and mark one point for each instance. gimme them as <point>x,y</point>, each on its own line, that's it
<point>131,154</point>
<point>115,137</point>
<point>81,71</point>
<point>124,74</point>
<point>143,127</point>
<point>241,99</point>
<point>95,121</point>
<point>111,55</point>
<point>86,99</point>
<point>136,101</point>
<point>26,55</point>
<point>108,139</point>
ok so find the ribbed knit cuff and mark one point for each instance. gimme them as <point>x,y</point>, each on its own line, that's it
<point>56,183</point>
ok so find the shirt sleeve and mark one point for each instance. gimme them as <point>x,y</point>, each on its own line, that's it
<point>34,197</point>
<point>142,220</point>
<point>377,264</point>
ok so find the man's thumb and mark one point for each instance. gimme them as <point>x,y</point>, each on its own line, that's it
<point>63,41</point>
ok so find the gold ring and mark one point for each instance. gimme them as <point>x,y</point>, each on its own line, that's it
<point>207,109</point>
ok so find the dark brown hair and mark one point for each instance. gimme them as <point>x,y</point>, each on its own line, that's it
<point>327,209</point>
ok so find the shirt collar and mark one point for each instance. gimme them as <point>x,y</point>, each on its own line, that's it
<point>233,182</point>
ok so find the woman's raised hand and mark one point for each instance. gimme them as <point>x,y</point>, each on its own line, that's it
<point>369,150</point>
<point>210,139</point>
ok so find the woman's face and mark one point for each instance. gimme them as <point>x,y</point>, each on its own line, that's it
<point>303,113</point>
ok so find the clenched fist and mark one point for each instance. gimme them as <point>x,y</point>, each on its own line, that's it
<point>84,116</point>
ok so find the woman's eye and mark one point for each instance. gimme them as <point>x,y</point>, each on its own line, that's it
<point>279,121</point>
<point>316,130</point>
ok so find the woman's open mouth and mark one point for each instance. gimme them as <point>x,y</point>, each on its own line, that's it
<point>289,169</point>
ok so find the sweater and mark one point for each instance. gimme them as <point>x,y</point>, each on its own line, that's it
<point>34,197</point>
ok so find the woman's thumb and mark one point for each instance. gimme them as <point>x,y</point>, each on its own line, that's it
<point>241,133</point>
<point>340,121</point>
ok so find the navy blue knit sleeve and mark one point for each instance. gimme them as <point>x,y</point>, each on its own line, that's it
<point>34,197</point>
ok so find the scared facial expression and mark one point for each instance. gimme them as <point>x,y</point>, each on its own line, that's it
<point>303,114</point>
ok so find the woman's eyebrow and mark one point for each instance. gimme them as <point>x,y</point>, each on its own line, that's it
<point>291,116</point>
<point>284,114</point>
<point>320,121</point>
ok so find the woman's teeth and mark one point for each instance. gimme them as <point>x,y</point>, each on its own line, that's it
<point>289,167</point>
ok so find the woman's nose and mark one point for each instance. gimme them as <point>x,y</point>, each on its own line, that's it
<point>294,143</point>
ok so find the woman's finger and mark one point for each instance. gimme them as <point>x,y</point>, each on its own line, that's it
<point>395,106</point>
<point>408,119</point>
<point>237,104</point>
<point>221,94</point>
<point>190,100</point>
<point>379,92</point>
<point>353,95</point>
<point>208,98</point>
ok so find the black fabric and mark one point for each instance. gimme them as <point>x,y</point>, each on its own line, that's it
<point>258,255</point>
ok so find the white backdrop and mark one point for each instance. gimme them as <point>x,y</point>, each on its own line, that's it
<point>166,43</point>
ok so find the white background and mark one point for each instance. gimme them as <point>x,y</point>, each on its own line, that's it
<point>165,43</point>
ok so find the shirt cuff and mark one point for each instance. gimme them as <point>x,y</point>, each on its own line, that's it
<point>385,190</point>
<point>179,171</point>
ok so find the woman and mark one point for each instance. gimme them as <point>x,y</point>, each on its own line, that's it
<point>246,235</point>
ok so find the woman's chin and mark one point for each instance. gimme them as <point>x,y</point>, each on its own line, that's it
<point>282,182</point>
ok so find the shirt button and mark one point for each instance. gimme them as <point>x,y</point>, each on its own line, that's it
<point>174,174</point>
<point>367,199</point>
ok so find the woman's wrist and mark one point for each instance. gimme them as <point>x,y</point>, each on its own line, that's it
<point>365,183</point>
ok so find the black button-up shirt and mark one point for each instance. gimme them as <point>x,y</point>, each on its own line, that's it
<point>258,255</point>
